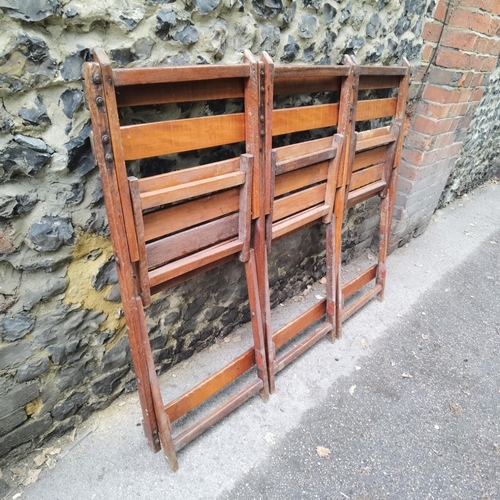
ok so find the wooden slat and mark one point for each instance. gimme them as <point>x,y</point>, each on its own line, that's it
<point>374,142</point>
<point>366,176</point>
<point>284,153</point>
<point>198,259</point>
<point>359,282</point>
<point>286,333</point>
<point>359,303</point>
<point>370,157</point>
<point>188,175</point>
<point>299,179</point>
<point>191,189</point>
<point>286,121</point>
<point>284,73</point>
<point>210,386</point>
<point>192,213</point>
<point>294,353</point>
<point>141,76</point>
<point>303,219</point>
<point>382,70</point>
<point>219,413</point>
<point>165,285</point>
<point>364,193</point>
<point>305,160</point>
<point>289,205</point>
<point>299,85</point>
<point>368,82</point>
<point>178,245</point>
<point>177,92</point>
<point>175,136</point>
<point>376,108</point>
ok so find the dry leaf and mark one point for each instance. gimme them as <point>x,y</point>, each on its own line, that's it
<point>425,337</point>
<point>32,477</point>
<point>406,375</point>
<point>364,345</point>
<point>73,435</point>
<point>16,496</point>
<point>352,389</point>
<point>55,451</point>
<point>323,280</point>
<point>319,297</point>
<point>17,471</point>
<point>456,409</point>
<point>322,451</point>
<point>496,446</point>
<point>40,459</point>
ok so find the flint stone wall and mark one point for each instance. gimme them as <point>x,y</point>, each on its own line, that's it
<point>63,346</point>
<point>479,158</point>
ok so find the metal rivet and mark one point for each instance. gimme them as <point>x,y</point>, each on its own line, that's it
<point>262,88</point>
<point>262,72</point>
<point>262,132</point>
<point>261,118</point>
<point>109,157</point>
<point>99,101</point>
<point>97,79</point>
<point>105,139</point>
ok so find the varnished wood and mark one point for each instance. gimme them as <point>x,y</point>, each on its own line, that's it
<point>177,136</point>
<point>294,327</point>
<point>298,179</point>
<point>301,220</point>
<point>287,121</point>
<point>360,281</point>
<point>304,160</point>
<point>198,259</point>
<point>164,196</point>
<point>203,216</point>
<point>181,244</point>
<point>297,202</point>
<point>210,386</point>
<point>366,176</point>
<point>218,414</point>
<point>375,168</point>
<point>175,92</point>
<point>378,108</point>
<point>125,273</point>
<point>189,214</point>
<point>141,76</point>
<point>193,174</point>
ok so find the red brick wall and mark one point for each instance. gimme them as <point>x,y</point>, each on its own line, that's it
<point>461,47</point>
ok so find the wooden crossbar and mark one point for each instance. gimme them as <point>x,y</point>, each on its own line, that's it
<point>286,121</point>
<point>177,136</point>
<point>366,176</point>
<point>376,108</point>
<point>210,386</point>
<point>177,92</point>
<point>307,198</point>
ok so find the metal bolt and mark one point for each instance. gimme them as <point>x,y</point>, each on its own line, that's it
<point>262,132</point>
<point>99,101</point>
<point>109,157</point>
<point>105,139</point>
<point>261,72</point>
<point>97,79</point>
<point>262,88</point>
<point>261,118</point>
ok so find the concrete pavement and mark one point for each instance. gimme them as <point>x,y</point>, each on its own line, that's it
<point>406,405</point>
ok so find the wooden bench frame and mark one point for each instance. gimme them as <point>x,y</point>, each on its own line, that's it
<point>152,255</point>
<point>289,170</point>
<point>373,170</point>
<point>328,175</point>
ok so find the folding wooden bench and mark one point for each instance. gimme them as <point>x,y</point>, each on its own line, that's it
<point>171,227</point>
<point>374,170</point>
<point>304,184</point>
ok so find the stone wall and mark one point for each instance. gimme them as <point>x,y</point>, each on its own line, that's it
<point>479,159</point>
<point>461,48</point>
<point>63,348</point>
